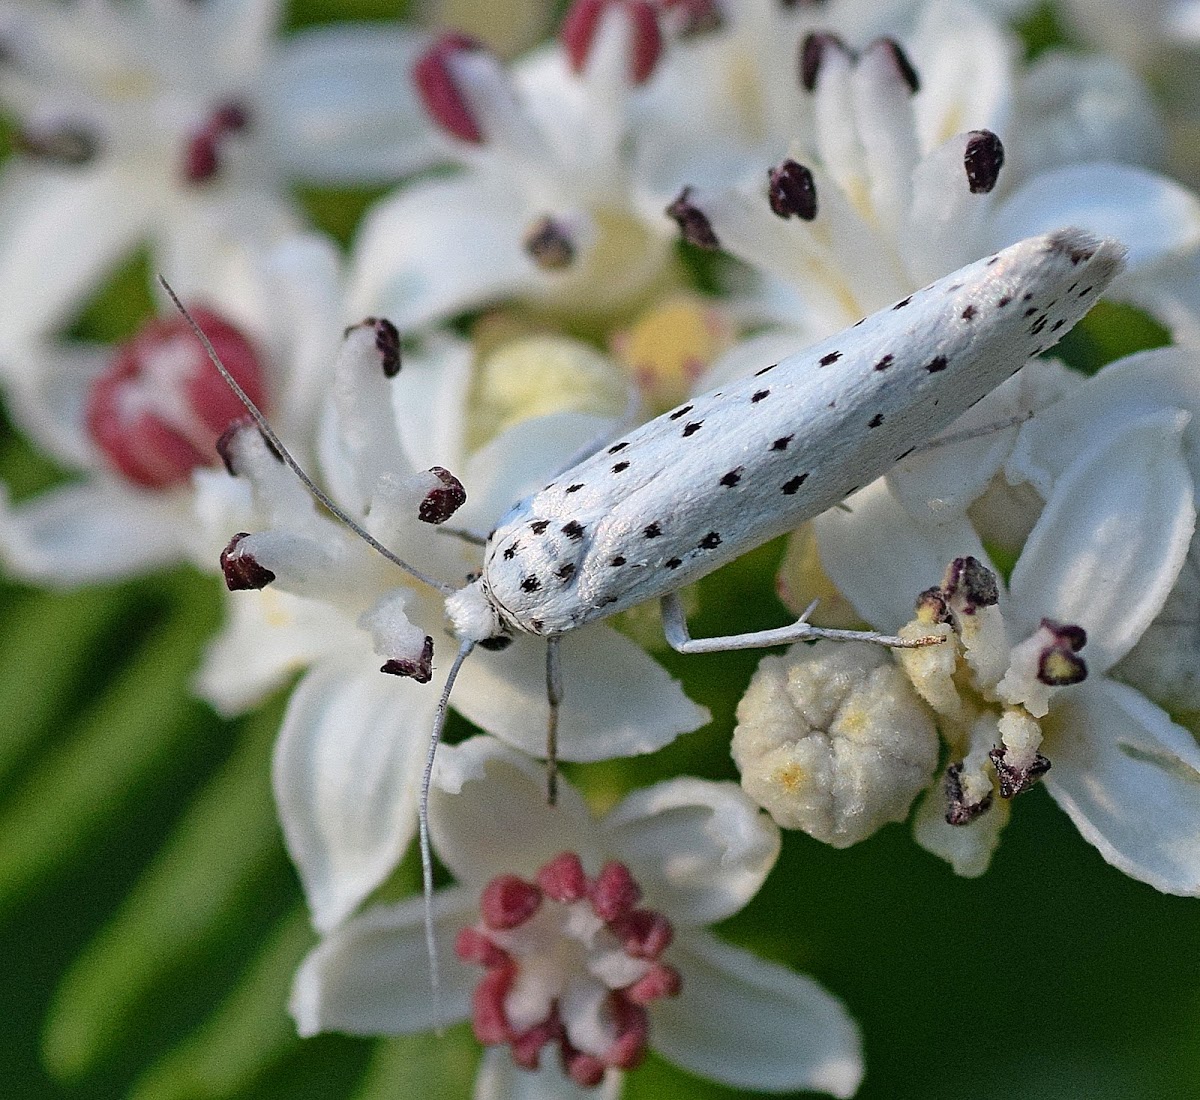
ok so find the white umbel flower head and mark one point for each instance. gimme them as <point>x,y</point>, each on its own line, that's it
<point>179,126</point>
<point>374,640</point>
<point>925,152</point>
<point>136,424</point>
<point>1031,684</point>
<point>582,942</point>
<point>551,206</point>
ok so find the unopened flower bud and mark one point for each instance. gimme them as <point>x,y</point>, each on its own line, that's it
<point>159,406</point>
<point>439,87</point>
<point>644,44</point>
<point>832,740</point>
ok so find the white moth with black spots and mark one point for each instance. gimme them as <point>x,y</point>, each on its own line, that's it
<point>725,472</point>
<point>729,470</point>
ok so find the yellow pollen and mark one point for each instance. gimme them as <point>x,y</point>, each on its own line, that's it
<point>668,348</point>
<point>791,777</point>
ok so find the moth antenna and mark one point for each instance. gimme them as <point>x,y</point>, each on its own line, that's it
<point>435,737</point>
<point>269,434</point>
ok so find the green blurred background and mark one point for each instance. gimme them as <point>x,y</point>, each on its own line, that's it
<point>151,921</point>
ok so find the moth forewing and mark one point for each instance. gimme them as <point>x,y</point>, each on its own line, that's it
<point>726,471</point>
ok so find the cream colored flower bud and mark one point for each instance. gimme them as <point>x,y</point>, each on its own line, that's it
<point>832,740</point>
<point>538,375</point>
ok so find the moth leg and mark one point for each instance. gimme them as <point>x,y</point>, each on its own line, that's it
<point>554,696</point>
<point>678,638</point>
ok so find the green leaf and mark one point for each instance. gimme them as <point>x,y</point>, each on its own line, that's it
<point>181,910</point>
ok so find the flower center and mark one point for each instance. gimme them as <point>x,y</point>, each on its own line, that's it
<point>669,348</point>
<point>158,407</point>
<point>571,962</point>
<point>990,697</point>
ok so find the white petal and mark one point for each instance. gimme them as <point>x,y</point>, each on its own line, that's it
<point>500,1078</point>
<point>47,395</point>
<point>430,401</point>
<point>882,559</point>
<point>267,637</point>
<point>439,247</point>
<point>753,1024</point>
<point>371,975</point>
<point>1130,779</point>
<point>944,479</point>
<point>1076,107</point>
<point>339,104</point>
<point>90,533</point>
<point>966,65</point>
<point>524,457</point>
<point>488,814</point>
<point>1153,216</point>
<point>701,850</point>
<point>1123,391</point>
<point>347,765</point>
<point>617,700</point>
<point>1165,663</point>
<point>967,848</point>
<point>60,233</point>
<point>1106,550</point>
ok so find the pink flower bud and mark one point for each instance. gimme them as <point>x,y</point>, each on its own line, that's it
<point>158,408</point>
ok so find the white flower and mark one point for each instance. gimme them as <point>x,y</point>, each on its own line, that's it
<point>889,189</point>
<point>350,753</point>
<point>552,204</point>
<point>1098,565</point>
<point>180,126</point>
<point>591,935</point>
<point>135,422</point>
<point>1165,662</point>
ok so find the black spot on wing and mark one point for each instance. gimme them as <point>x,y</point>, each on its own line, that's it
<point>680,412</point>
<point>692,428</point>
<point>573,529</point>
<point>790,488</point>
<point>830,359</point>
<point>781,444</point>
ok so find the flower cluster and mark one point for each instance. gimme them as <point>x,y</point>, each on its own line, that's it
<point>670,197</point>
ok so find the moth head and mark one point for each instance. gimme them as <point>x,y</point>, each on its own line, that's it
<point>473,615</point>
